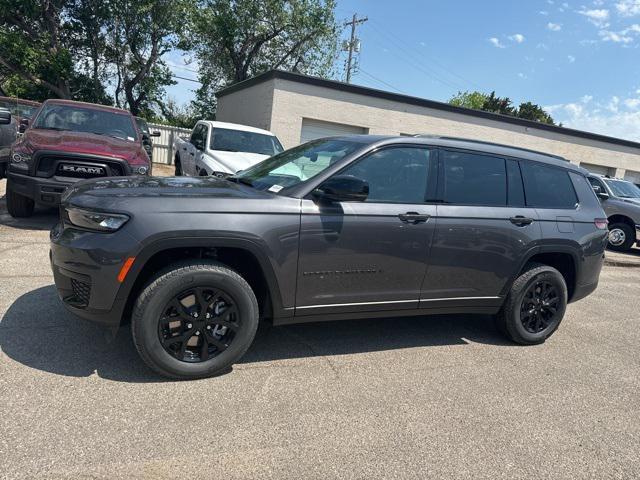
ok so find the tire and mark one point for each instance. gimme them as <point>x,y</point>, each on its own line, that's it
<point>623,237</point>
<point>517,325</point>
<point>178,172</point>
<point>18,205</point>
<point>151,305</point>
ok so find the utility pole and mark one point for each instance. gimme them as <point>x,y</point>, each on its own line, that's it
<point>353,43</point>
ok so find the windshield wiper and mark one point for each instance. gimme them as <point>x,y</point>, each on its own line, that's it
<point>224,149</point>
<point>244,181</point>
<point>57,129</point>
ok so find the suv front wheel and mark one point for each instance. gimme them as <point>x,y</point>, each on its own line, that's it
<point>194,320</point>
<point>535,305</point>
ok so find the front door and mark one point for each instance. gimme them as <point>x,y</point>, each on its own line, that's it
<point>484,229</point>
<point>371,255</point>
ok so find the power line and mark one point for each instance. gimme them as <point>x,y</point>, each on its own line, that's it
<point>185,78</point>
<point>360,70</point>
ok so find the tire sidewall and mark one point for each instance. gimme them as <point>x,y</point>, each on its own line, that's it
<point>553,276</point>
<point>629,241</point>
<point>146,324</point>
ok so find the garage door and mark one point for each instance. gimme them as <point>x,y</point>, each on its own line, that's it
<point>633,177</point>
<point>312,129</point>
<point>598,169</point>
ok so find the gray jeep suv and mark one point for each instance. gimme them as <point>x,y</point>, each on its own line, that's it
<point>621,202</point>
<point>338,228</point>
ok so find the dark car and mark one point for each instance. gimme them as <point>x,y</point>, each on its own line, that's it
<point>338,228</point>
<point>147,135</point>
<point>67,142</point>
<point>621,202</point>
<point>14,111</point>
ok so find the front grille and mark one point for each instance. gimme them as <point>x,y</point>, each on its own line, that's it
<point>81,292</point>
<point>50,165</point>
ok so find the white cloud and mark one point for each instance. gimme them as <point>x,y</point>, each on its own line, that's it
<point>599,17</point>
<point>615,37</point>
<point>543,12</point>
<point>632,103</point>
<point>522,75</point>
<point>586,98</point>
<point>517,37</point>
<point>612,106</point>
<point>571,58</point>
<point>554,27</point>
<point>628,8</point>
<point>589,116</point>
<point>496,43</point>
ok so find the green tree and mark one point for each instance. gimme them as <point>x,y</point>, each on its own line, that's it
<point>34,44</point>
<point>173,114</point>
<point>474,100</point>
<point>233,40</point>
<point>531,111</point>
<point>502,105</point>
<point>139,33</point>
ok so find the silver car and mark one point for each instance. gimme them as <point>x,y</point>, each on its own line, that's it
<point>621,202</point>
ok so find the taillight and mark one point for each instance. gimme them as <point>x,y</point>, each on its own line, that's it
<point>601,223</point>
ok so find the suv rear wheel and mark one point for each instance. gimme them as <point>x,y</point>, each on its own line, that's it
<point>194,320</point>
<point>621,237</point>
<point>535,305</point>
<point>18,205</point>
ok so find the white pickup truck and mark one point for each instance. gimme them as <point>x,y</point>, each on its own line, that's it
<point>221,149</point>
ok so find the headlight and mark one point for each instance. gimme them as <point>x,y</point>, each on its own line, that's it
<point>18,157</point>
<point>103,222</point>
<point>142,170</point>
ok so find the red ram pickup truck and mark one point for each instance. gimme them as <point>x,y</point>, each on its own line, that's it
<point>66,142</point>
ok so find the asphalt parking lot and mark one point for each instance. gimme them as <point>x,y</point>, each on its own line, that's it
<point>433,397</point>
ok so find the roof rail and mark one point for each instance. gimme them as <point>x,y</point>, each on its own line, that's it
<point>482,142</point>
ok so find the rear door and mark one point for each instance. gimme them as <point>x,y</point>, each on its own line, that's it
<point>368,256</point>
<point>483,230</point>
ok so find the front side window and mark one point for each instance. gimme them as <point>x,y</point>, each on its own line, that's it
<point>394,175</point>
<point>296,165</point>
<point>229,140</point>
<point>20,110</point>
<point>623,189</point>
<point>547,187</point>
<point>474,179</point>
<point>77,118</point>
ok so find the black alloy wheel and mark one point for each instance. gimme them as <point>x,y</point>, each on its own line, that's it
<point>539,307</point>
<point>198,324</point>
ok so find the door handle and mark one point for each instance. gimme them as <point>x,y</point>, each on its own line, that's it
<point>413,217</point>
<point>521,221</point>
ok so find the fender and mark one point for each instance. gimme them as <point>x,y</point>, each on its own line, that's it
<point>570,248</point>
<point>170,240</point>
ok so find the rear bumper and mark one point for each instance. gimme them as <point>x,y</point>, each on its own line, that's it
<point>86,274</point>
<point>45,191</point>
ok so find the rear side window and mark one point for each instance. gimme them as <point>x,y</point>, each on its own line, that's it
<point>547,187</point>
<point>474,179</point>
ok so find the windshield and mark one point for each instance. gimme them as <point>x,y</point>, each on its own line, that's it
<point>248,142</point>
<point>296,165</point>
<point>77,118</point>
<point>18,109</point>
<point>621,188</point>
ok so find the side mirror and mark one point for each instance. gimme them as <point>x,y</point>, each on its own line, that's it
<point>602,195</point>
<point>5,117</point>
<point>343,188</point>
<point>155,134</point>
<point>24,123</point>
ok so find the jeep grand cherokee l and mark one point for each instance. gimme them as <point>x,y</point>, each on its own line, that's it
<point>338,228</point>
<point>67,142</point>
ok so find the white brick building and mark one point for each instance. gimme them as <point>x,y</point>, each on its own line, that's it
<point>298,108</point>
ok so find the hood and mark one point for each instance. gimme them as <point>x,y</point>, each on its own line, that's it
<point>633,201</point>
<point>156,187</point>
<point>236,161</point>
<point>146,197</point>
<point>78,142</point>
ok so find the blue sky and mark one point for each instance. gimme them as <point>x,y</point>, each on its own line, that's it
<point>580,60</point>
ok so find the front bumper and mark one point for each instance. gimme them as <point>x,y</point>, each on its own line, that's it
<point>85,269</point>
<point>45,191</point>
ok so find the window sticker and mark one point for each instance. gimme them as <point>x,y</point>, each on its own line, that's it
<point>275,188</point>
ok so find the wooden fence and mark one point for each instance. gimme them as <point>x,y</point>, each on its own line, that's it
<point>163,145</point>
